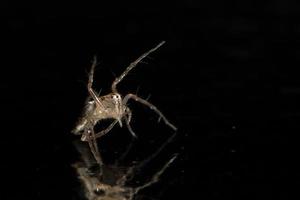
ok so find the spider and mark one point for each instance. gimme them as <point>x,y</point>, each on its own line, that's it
<point>110,106</point>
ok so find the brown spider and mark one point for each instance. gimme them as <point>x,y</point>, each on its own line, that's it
<point>110,106</point>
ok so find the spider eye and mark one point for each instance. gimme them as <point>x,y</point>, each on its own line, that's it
<point>116,96</point>
<point>99,192</point>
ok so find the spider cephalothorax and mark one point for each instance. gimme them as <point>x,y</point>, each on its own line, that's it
<point>110,106</point>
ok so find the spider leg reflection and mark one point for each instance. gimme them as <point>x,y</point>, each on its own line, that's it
<point>112,181</point>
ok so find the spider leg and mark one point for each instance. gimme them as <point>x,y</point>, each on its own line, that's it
<point>99,134</point>
<point>128,119</point>
<point>90,84</point>
<point>90,136</point>
<point>103,132</point>
<point>151,106</point>
<point>93,145</point>
<point>131,66</point>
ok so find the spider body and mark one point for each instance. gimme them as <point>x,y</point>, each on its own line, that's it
<point>110,106</point>
<point>112,109</point>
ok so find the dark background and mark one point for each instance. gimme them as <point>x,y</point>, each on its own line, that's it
<point>227,77</point>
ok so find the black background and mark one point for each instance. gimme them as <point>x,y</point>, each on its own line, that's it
<point>227,77</point>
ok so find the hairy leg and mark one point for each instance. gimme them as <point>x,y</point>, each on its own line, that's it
<point>131,66</point>
<point>93,146</point>
<point>128,119</point>
<point>90,84</point>
<point>103,132</point>
<point>151,106</point>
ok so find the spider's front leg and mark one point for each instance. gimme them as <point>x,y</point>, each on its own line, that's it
<point>90,134</point>
<point>151,106</point>
<point>103,132</point>
<point>90,84</point>
<point>131,66</point>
